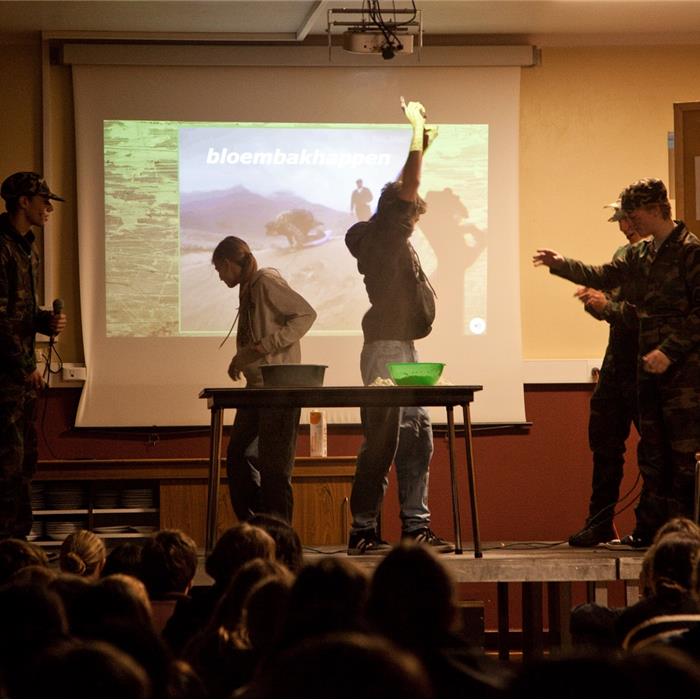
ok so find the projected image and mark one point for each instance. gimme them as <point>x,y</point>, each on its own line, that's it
<point>173,190</point>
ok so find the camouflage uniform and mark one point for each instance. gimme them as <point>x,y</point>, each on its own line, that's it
<point>20,319</point>
<point>665,285</point>
<point>613,407</point>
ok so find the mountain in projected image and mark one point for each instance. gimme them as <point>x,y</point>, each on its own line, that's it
<point>207,217</point>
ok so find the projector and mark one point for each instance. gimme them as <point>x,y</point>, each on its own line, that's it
<point>374,41</point>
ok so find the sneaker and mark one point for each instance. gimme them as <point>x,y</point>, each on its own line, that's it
<point>592,535</point>
<point>426,536</point>
<point>636,541</point>
<point>366,542</point>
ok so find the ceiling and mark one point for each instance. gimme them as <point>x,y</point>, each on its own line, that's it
<point>545,22</point>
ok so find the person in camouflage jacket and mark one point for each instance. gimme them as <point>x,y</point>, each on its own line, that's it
<point>613,407</point>
<point>664,274</point>
<point>28,203</point>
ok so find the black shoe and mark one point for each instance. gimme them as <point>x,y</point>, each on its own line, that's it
<point>592,535</point>
<point>636,541</point>
<point>366,542</point>
<point>426,536</point>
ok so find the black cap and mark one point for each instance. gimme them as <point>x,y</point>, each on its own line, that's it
<point>26,184</point>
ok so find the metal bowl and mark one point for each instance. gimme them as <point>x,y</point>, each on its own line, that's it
<point>293,375</point>
<point>415,373</point>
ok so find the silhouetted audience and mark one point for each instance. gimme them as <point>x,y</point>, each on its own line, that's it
<point>168,566</point>
<point>16,554</point>
<point>412,602</point>
<point>125,558</point>
<point>331,630</point>
<point>83,553</point>
<point>238,545</point>
<point>288,547</point>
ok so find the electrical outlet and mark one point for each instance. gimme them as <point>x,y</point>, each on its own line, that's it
<point>74,373</point>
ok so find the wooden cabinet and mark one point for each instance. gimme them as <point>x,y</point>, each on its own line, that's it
<point>321,494</point>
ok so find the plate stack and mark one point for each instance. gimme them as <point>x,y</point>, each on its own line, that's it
<point>65,497</point>
<point>110,529</point>
<point>37,531</point>
<point>38,500</point>
<point>60,529</point>
<point>145,529</point>
<point>106,498</point>
<point>137,498</point>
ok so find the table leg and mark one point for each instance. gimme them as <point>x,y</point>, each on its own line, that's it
<point>214,477</point>
<point>533,643</point>
<point>472,481</point>
<point>559,606</point>
<point>503,621</point>
<point>453,479</point>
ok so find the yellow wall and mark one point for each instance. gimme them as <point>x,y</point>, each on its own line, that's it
<point>592,120</point>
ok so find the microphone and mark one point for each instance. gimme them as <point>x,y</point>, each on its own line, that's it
<point>57,307</point>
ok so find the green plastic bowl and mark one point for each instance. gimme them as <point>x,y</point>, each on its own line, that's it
<point>415,373</point>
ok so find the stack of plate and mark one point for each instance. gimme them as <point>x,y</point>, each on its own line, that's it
<point>37,531</point>
<point>137,498</point>
<point>60,529</point>
<point>106,498</point>
<point>65,497</point>
<point>110,529</point>
<point>145,529</point>
<point>38,500</point>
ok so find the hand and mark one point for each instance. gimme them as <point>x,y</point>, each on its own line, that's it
<point>58,323</point>
<point>415,113</point>
<point>656,362</point>
<point>592,298</point>
<point>429,135</point>
<point>233,370</point>
<point>549,258</point>
<point>35,380</point>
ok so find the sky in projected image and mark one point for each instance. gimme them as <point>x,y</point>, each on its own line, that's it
<point>173,190</point>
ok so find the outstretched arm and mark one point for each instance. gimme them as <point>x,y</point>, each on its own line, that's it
<point>410,175</point>
<point>548,258</point>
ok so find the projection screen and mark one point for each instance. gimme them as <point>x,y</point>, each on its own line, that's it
<point>171,160</point>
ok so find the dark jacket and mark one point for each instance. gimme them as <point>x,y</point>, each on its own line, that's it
<point>392,274</point>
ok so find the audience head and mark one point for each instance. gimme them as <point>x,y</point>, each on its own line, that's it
<point>16,554</point>
<point>265,611</point>
<point>673,562</point>
<point>168,563</point>
<point>660,671</point>
<point>76,669</point>
<point>235,547</point>
<point>34,575</point>
<point>31,619</point>
<point>329,595</point>
<point>345,665</point>
<point>412,597</point>
<point>288,547</point>
<point>123,597</point>
<point>83,553</point>
<point>125,558</point>
<point>227,613</point>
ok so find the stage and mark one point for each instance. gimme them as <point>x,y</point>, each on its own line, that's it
<point>543,569</point>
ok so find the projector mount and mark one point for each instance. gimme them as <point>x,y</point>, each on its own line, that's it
<point>371,29</point>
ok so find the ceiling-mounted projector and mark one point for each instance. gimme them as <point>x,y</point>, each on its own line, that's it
<point>373,29</point>
<point>374,41</point>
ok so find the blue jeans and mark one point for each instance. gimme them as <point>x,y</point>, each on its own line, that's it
<point>403,436</point>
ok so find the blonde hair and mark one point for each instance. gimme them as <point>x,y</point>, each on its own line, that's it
<point>82,553</point>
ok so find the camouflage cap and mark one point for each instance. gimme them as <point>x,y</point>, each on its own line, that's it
<point>643,193</point>
<point>26,184</point>
<point>617,214</point>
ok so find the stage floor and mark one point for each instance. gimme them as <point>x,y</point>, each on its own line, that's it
<point>540,569</point>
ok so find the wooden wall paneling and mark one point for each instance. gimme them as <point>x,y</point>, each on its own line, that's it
<point>686,118</point>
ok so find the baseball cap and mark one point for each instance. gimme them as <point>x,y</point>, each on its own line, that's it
<point>643,193</point>
<point>26,184</point>
<point>617,214</point>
